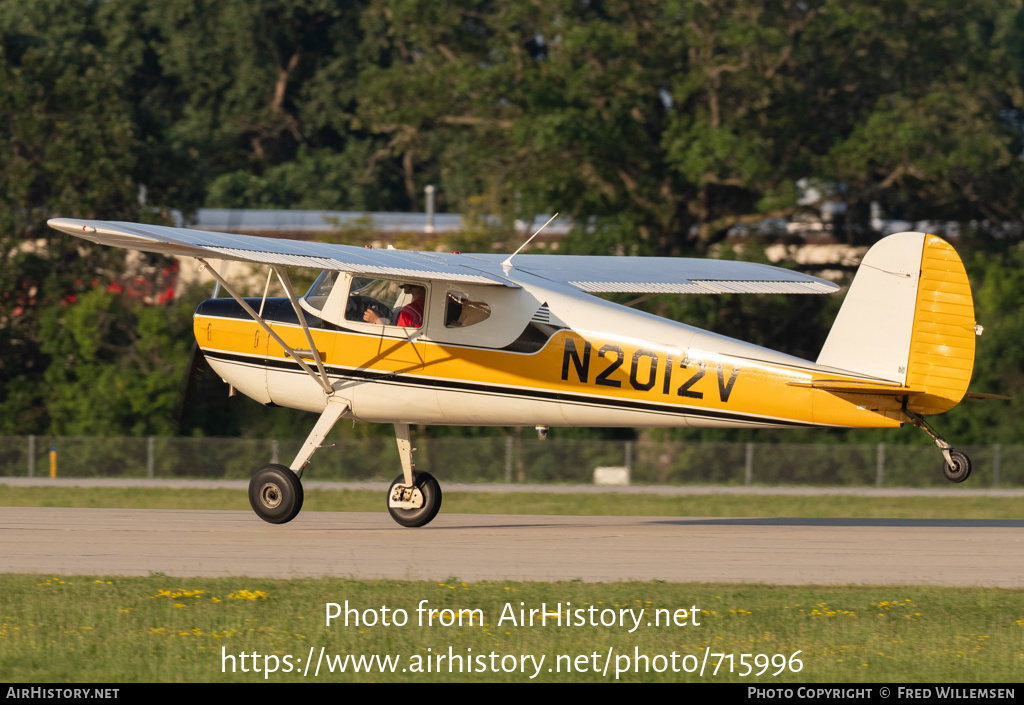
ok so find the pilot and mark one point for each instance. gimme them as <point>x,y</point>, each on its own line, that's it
<point>411,315</point>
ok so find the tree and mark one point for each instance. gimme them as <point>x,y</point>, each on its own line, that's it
<point>661,126</point>
<point>67,147</point>
<point>928,130</point>
<point>263,95</point>
<point>116,367</point>
<point>997,280</point>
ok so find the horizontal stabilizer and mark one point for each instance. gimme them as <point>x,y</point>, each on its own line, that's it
<point>854,387</point>
<point>986,395</point>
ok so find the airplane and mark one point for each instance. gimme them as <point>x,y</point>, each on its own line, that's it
<point>401,337</point>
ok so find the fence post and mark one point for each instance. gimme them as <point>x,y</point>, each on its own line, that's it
<point>274,451</point>
<point>881,465</point>
<point>996,453</point>
<point>31,456</point>
<point>629,456</point>
<point>149,457</point>
<point>508,460</point>
<point>748,468</point>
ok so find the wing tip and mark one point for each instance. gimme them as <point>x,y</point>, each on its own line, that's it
<point>71,226</point>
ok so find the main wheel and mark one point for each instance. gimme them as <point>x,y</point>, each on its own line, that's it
<point>960,470</point>
<point>420,516</point>
<point>275,494</point>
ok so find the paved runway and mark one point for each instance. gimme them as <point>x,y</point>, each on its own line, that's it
<point>502,547</point>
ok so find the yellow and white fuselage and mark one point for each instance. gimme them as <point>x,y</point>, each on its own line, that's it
<point>550,355</point>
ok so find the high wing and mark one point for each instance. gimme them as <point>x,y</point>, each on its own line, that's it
<point>665,275</point>
<point>264,250</point>
<point>592,274</point>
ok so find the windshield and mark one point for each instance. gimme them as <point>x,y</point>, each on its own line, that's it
<point>321,289</point>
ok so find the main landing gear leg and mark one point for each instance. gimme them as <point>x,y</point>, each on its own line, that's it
<point>275,492</point>
<point>957,466</point>
<point>414,498</point>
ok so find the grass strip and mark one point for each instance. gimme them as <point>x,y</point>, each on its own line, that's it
<point>162,629</point>
<point>752,505</point>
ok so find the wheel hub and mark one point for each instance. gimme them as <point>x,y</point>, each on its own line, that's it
<point>405,498</point>
<point>270,495</point>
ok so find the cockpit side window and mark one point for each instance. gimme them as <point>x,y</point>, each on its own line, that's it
<point>386,302</point>
<point>462,310</point>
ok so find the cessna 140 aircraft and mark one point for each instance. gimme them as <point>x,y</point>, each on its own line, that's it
<point>391,336</point>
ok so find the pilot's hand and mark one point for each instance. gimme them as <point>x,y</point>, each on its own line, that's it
<point>370,316</point>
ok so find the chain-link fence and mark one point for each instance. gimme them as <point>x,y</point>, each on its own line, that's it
<point>513,460</point>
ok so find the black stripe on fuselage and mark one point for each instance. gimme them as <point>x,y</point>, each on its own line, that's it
<point>289,365</point>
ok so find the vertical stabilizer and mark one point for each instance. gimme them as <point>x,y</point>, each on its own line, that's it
<point>909,319</point>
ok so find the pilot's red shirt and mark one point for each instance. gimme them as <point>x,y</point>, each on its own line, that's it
<point>412,314</point>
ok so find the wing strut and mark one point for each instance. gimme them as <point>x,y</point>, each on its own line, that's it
<point>321,378</point>
<point>287,284</point>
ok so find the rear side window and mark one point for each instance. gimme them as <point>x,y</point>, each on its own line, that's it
<point>462,311</point>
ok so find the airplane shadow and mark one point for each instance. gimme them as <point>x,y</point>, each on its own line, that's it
<point>513,525</point>
<point>848,522</point>
<point>452,523</point>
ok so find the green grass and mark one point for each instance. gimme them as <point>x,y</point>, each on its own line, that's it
<point>89,629</point>
<point>114,629</point>
<point>540,503</point>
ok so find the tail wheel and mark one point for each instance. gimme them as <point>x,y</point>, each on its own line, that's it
<point>426,493</point>
<point>959,470</point>
<point>275,494</point>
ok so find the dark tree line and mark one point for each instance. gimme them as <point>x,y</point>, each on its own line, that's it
<point>657,125</point>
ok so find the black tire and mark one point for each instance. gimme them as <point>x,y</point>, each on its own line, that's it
<point>961,468</point>
<point>431,491</point>
<point>275,494</point>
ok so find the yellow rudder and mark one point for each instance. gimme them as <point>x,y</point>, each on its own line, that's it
<point>942,343</point>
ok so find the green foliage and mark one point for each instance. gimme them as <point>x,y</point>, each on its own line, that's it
<point>114,366</point>
<point>998,283</point>
<point>155,629</point>
<point>865,505</point>
<point>657,127</point>
<point>314,180</point>
<point>68,144</point>
<point>67,138</point>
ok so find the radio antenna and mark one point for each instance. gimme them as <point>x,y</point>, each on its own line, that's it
<point>508,262</point>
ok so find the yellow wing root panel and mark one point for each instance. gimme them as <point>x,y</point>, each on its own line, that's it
<point>942,345</point>
<point>241,336</point>
<point>247,337</point>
